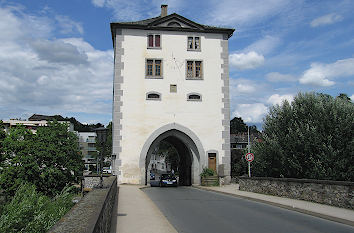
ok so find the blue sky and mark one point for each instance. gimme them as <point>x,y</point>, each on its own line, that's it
<point>56,57</point>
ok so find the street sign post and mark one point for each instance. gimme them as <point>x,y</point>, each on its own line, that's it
<point>249,157</point>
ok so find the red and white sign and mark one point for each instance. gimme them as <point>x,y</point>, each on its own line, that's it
<point>249,157</point>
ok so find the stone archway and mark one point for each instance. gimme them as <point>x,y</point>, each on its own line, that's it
<point>187,144</point>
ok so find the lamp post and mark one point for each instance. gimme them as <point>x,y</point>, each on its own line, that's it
<point>101,140</point>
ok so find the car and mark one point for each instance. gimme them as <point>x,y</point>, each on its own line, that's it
<point>168,180</point>
<point>152,176</point>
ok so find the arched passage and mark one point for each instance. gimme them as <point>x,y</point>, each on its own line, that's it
<point>186,143</point>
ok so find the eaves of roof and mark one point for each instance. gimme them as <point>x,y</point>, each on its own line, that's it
<point>151,24</point>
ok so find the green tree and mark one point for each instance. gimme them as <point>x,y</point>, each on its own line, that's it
<point>344,96</point>
<point>32,212</point>
<point>49,159</point>
<point>237,125</point>
<point>313,137</point>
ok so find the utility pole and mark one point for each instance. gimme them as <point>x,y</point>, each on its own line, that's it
<point>249,150</point>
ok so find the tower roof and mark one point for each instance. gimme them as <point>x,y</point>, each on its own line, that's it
<point>172,22</point>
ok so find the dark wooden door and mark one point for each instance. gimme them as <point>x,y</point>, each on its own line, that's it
<point>212,161</point>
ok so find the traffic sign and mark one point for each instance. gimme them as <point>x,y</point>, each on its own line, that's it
<point>249,157</point>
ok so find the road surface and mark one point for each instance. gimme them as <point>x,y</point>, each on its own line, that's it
<point>193,210</point>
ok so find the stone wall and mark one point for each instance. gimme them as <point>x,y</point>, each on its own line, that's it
<point>93,213</point>
<point>335,193</point>
<point>93,181</point>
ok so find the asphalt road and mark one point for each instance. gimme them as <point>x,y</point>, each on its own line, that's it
<point>193,210</point>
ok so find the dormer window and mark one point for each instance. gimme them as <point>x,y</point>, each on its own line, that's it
<point>194,97</point>
<point>154,41</point>
<point>193,43</point>
<point>153,96</point>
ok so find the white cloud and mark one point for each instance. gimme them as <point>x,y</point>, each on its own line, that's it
<point>58,52</point>
<point>265,45</point>
<point>245,88</point>
<point>326,19</point>
<point>352,97</point>
<point>243,61</point>
<point>138,9</point>
<point>250,113</point>
<point>50,76</point>
<point>241,86</point>
<point>240,12</point>
<point>98,3</point>
<point>278,77</point>
<point>321,74</point>
<point>278,99</point>
<point>67,25</point>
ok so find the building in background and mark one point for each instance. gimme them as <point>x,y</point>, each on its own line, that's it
<point>87,143</point>
<point>239,141</point>
<point>33,124</point>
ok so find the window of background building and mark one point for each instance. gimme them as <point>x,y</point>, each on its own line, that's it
<point>154,41</point>
<point>153,96</point>
<point>194,97</point>
<point>194,69</point>
<point>193,43</point>
<point>154,68</point>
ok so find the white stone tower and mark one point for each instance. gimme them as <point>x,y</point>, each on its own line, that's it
<point>171,82</point>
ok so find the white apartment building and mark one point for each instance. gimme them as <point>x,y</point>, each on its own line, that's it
<point>171,83</point>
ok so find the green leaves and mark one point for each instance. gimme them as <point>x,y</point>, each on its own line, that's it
<point>32,212</point>
<point>310,138</point>
<point>49,159</point>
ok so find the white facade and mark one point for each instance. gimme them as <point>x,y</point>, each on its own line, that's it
<point>138,122</point>
<point>33,125</point>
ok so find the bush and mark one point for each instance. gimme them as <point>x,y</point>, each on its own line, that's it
<point>207,172</point>
<point>30,211</point>
<point>313,138</point>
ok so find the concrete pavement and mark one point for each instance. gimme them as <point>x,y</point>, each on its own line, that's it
<point>137,213</point>
<point>341,215</point>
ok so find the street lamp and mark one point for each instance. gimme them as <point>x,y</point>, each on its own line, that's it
<point>101,140</point>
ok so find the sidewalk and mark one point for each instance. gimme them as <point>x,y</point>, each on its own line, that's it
<point>336,214</point>
<point>137,213</point>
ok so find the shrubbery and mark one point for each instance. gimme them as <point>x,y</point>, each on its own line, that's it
<point>207,172</point>
<point>313,137</point>
<point>32,212</point>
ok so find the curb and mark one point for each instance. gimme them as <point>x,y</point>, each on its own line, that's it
<point>327,217</point>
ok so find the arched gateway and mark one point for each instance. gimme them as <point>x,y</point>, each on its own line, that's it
<point>171,85</point>
<point>188,146</point>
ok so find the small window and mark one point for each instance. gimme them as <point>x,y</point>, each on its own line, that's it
<point>194,97</point>
<point>154,41</point>
<point>194,70</point>
<point>153,96</point>
<point>173,88</point>
<point>193,43</point>
<point>153,68</point>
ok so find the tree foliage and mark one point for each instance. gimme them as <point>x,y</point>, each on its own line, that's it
<point>237,125</point>
<point>313,137</point>
<point>32,212</point>
<point>49,159</point>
